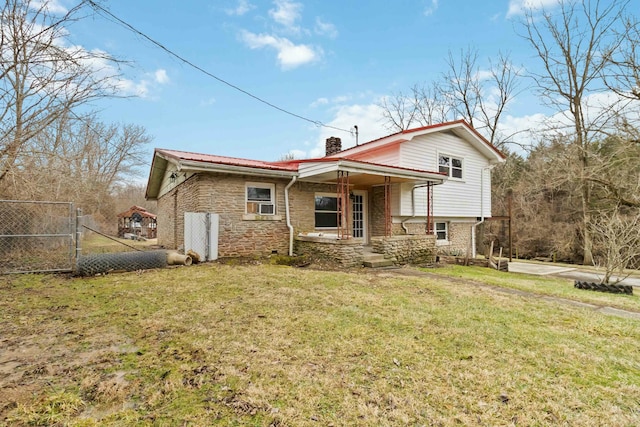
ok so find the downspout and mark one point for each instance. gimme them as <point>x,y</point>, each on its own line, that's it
<point>288,213</point>
<point>413,206</point>
<point>473,227</point>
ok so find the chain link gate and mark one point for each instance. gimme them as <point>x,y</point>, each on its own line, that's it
<point>37,237</point>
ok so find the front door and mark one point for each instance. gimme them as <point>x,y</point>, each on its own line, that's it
<point>359,224</point>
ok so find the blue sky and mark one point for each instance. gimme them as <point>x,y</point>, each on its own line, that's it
<point>325,60</point>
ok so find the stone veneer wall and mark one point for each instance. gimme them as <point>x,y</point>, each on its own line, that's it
<point>376,211</point>
<point>414,228</point>
<point>459,239</point>
<point>241,235</point>
<point>407,249</point>
<point>171,209</point>
<point>224,194</point>
<point>347,253</point>
<point>302,204</point>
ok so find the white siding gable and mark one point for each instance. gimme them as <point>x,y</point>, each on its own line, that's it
<point>456,197</point>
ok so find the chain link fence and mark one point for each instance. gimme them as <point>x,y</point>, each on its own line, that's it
<point>37,236</point>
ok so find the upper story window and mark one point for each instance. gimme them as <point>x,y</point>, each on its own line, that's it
<point>260,198</point>
<point>452,166</point>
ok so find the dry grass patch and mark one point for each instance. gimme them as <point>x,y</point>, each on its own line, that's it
<point>274,345</point>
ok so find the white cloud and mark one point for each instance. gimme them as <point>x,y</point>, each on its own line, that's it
<point>325,29</point>
<point>161,76</point>
<point>431,8</point>
<point>297,154</point>
<point>484,74</point>
<point>286,13</point>
<point>51,6</point>
<point>207,102</point>
<point>318,102</point>
<point>242,7</point>
<point>530,129</point>
<point>290,55</point>
<point>518,7</point>
<point>341,99</point>
<point>368,118</point>
<point>131,88</point>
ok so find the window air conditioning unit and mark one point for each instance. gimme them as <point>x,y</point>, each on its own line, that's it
<point>266,209</point>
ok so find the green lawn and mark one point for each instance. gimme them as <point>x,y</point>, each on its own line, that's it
<point>544,285</point>
<point>266,345</point>
<point>95,243</point>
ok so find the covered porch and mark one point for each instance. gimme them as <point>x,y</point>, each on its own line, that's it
<point>364,199</point>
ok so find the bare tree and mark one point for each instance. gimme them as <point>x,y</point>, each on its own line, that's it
<point>505,78</point>
<point>573,43</point>
<point>462,85</point>
<point>423,106</point>
<point>615,168</point>
<point>616,243</point>
<point>623,77</point>
<point>79,159</point>
<point>464,91</point>
<point>42,77</point>
<point>398,111</point>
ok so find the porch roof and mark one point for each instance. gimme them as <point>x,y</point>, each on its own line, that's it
<point>361,173</point>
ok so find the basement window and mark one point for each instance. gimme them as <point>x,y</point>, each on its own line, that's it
<point>442,231</point>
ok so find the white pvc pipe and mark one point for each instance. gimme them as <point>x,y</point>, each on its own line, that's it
<point>413,207</point>
<point>288,214</point>
<point>473,227</point>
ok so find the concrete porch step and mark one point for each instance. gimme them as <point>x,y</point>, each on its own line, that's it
<point>373,260</point>
<point>370,256</point>
<point>378,263</point>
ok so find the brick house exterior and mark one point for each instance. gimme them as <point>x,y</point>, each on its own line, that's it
<point>335,205</point>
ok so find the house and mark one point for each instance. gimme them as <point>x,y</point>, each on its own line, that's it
<point>405,195</point>
<point>137,221</point>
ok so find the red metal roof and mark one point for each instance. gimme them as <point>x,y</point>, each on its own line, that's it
<point>293,165</point>
<point>222,160</point>
<point>142,211</point>
<point>285,165</point>
<point>420,129</point>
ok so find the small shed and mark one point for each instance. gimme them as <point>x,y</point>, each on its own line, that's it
<point>137,221</point>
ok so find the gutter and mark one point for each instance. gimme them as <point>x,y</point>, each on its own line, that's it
<point>288,213</point>
<point>243,170</point>
<point>473,227</point>
<point>413,206</point>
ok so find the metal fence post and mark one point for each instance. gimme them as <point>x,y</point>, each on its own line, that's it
<point>207,250</point>
<point>78,232</point>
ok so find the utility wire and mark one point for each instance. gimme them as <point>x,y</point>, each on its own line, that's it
<point>100,10</point>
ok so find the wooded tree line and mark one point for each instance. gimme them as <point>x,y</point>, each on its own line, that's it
<point>576,185</point>
<point>51,146</point>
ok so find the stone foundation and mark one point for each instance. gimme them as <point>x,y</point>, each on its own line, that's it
<point>407,249</point>
<point>346,253</point>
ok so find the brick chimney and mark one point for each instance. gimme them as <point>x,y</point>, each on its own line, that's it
<point>333,146</point>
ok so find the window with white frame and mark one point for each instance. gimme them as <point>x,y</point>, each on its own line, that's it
<point>452,166</point>
<point>260,198</point>
<point>326,211</point>
<point>442,231</point>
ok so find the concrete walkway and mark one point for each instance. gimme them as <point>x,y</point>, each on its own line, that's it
<point>572,273</point>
